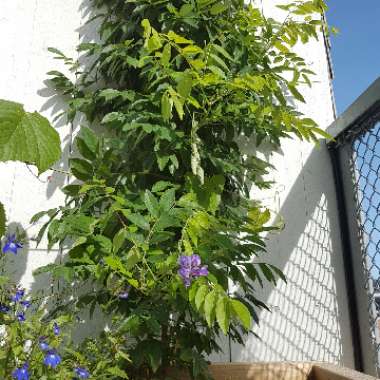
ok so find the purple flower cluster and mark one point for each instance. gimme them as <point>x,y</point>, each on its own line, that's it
<point>190,268</point>
<point>52,358</point>
<point>17,299</point>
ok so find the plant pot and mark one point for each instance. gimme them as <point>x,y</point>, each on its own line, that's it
<point>280,371</point>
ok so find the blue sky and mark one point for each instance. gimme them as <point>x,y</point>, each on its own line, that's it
<point>356,50</point>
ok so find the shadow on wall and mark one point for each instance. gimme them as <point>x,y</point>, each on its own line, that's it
<point>15,266</point>
<point>57,104</point>
<point>309,319</point>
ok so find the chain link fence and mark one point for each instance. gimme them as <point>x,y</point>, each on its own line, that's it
<point>363,142</point>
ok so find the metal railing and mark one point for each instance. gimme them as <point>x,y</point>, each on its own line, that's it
<point>356,156</point>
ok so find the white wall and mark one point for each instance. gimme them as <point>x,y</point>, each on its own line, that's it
<point>309,319</point>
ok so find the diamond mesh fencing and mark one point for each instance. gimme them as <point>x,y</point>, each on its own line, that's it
<point>364,141</point>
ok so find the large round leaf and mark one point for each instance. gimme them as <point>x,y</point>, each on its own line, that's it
<point>27,137</point>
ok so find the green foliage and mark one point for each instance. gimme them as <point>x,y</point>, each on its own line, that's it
<point>176,89</point>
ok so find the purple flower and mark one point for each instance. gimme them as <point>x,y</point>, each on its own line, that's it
<point>56,329</point>
<point>52,359</point>
<point>4,308</point>
<point>21,316</point>
<point>26,304</point>
<point>11,245</point>
<point>123,295</point>
<point>43,345</point>
<point>185,261</point>
<point>190,268</point>
<point>82,373</point>
<point>21,373</point>
<point>195,260</point>
<point>202,271</point>
<point>19,295</point>
<point>185,272</point>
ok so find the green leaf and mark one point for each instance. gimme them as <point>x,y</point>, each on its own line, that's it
<point>166,220</point>
<point>178,39</point>
<point>115,264</point>
<point>279,272</point>
<point>87,143</point>
<point>185,83</point>
<point>133,258</point>
<point>222,51</point>
<point>78,225</point>
<point>167,200</point>
<point>166,107</point>
<point>217,71</point>
<point>131,324</point>
<point>218,8</point>
<point>296,93</point>
<point>119,239</point>
<point>185,10</point>
<point>322,133</point>
<point>103,241</point>
<point>222,313</point>
<point>109,94</point>
<point>147,28</point>
<point>82,169</point>
<point>151,204</point>
<point>154,43</point>
<point>200,296</point>
<point>166,55</point>
<point>193,292</point>
<point>56,51</point>
<point>133,282</point>
<point>209,307</point>
<point>160,185</point>
<point>137,219</point>
<point>27,137</point>
<point>242,312</point>
<point>178,104</point>
<point>267,272</point>
<point>71,190</point>
<point>219,61</point>
<point>154,353</point>
<point>2,220</point>
<point>36,217</point>
<point>116,371</point>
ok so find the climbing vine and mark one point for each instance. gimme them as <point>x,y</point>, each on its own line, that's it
<point>160,229</point>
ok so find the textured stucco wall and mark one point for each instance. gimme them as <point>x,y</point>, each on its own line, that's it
<point>309,319</point>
